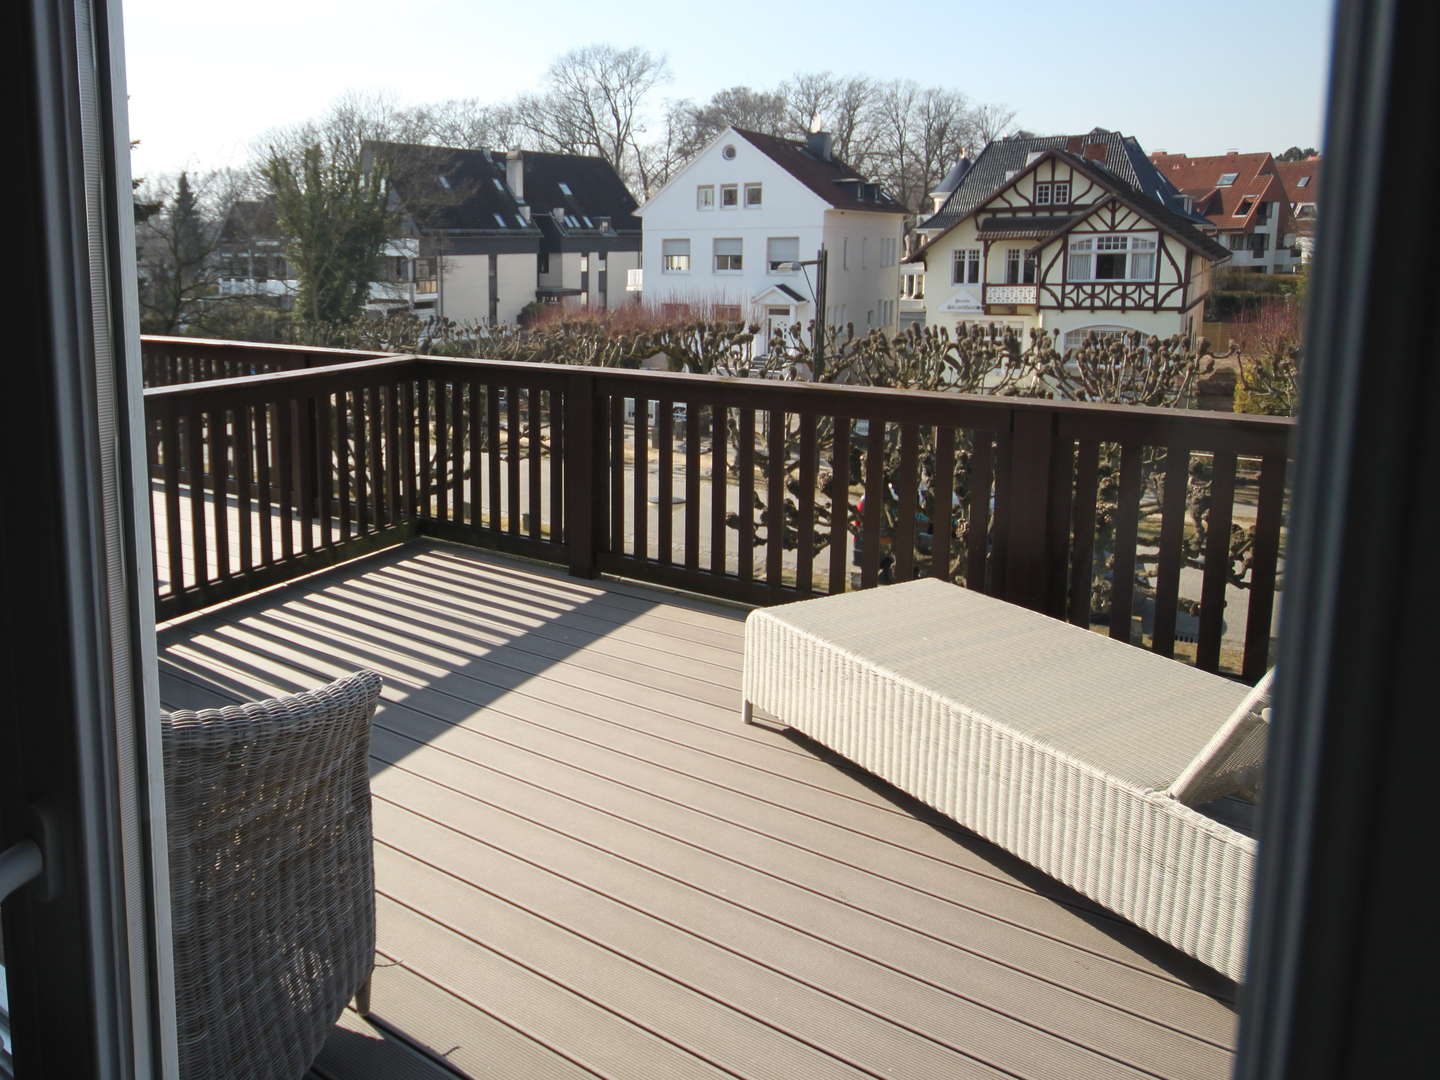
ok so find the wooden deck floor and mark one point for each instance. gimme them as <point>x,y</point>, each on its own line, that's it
<point>588,867</point>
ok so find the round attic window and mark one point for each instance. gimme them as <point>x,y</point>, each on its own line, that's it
<point>729,152</point>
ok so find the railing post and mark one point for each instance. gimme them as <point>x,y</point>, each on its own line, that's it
<point>584,451</point>
<point>1037,519</point>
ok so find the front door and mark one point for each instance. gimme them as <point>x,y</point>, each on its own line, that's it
<point>778,320</point>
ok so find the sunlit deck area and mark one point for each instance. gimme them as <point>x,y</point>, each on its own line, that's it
<point>587,866</point>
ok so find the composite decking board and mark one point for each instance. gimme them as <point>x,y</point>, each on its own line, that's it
<point>360,1050</point>
<point>934,875</point>
<point>923,874</point>
<point>748,830</point>
<point>687,1011</point>
<point>584,1031</point>
<point>964,896</point>
<point>954,997</point>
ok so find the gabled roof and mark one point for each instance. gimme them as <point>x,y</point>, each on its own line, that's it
<point>1119,155</point>
<point>834,181</point>
<point>1182,226</point>
<point>1291,173</point>
<point>250,219</point>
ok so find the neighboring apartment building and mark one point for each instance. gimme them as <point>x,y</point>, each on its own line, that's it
<point>490,232</point>
<point>1302,188</point>
<point>1070,234</point>
<point>250,257</point>
<point>1244,197</point>
<point>728,231</point>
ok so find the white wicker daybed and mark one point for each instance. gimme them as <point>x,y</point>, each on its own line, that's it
<point>1097,762</point>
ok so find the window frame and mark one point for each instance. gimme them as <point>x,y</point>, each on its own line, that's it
<point>732,193</point>
<point>716,255</point>
<point>701,191</point>
<point>666,266</point>
<point>770,260</point>
<point>1108,244</point>
<point>970,258</point>
<point>756,189</point>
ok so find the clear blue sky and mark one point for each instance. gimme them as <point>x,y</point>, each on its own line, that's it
<point>206,78</point>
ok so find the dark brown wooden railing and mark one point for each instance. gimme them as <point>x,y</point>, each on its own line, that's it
<point>168,361</point>
<point>677,479</point>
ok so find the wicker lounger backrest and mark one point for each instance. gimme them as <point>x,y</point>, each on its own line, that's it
<point>1233,762</point>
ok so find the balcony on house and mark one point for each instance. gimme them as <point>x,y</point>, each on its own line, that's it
<point>1010,294</point>
<point>586,865</point>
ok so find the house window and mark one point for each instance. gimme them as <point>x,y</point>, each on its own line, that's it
<point>565,189</point>
<point>543,263</point>
<point>675,256</point>
<point>727,312</point>
<point>729,196</point>
<point>728,255</point>
<point>752,194</point>
<point>781,249</point>
<point>965,266</point>
<point>1304,181</point>
<point>1052,193</point>
<point>584,264</point>
<point>1019,268</point>
<point>601,258</point>
<point>1244,207</point>
<point>500,220</point>
<point>705,197</point>
<point>1126,257</point>
<point>1104,335</point>
<point>1228,179</point>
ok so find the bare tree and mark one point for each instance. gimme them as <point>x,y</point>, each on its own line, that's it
<point>464,123</point>
<point>989,122</point>
<point>594,104</point>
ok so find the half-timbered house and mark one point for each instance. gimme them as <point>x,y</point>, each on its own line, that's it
<point>1063,243</point>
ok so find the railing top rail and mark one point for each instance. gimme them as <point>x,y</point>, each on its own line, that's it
<point>251,383</point>
<point>262,346</point>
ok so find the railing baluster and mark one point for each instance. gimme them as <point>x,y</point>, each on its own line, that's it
<point>1082,557</point>
<point>805,526</point>
<point>492,470</point>
<point>285,465</point>
<point>1217,561</point>
<point>874,503</point>
<point>641,513</point>
<point>536,499</point>
<point>907,480</point>
<point>307,456</point>
<point>745,469</point>
<point>476,520</point>
<point>692,486</point>
<point>840,505</point>
<point>455,394</point>
<point>423,390</point>
<point>665,480</point>
<point>195,466</point>
<point>244,479</point>
<point>264,453</point>
<point>942,526</point>
<point>978,481</point>
<point>557,465</point>
<point>375,426</point>
<point>170,440</point>
<point>409,496</point>
<point>219,467</point>
<point>775,502</point>
<point>1127,522</point>
<point>344,470</point>
<point>512,458</point>
<point>1269,516</point>
<point>1172,537</point>
<point>329,465</point>
<point>616,458</point>
<point>442,449</point>
<point>719,482</point>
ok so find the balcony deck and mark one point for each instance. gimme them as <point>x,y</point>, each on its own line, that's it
<point>587,866</point>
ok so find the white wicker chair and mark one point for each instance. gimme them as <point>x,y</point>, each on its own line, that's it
<point>272,883</point>
<point>1094,761</point>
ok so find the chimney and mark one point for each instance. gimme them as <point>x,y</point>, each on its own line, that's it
<point>1072,144</point>
<point>1095,152</point>
<point>515,173</point>
<point>1232,151</point>
<point>820,144</point>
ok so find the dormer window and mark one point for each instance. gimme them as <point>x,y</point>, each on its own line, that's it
<point>443,181</point>
<point>1304,181</point>
<point>565,188</point>
<point>500,220</point>
<point>499,184</point>
<point>1228,179</point>
<point>1245,205</point>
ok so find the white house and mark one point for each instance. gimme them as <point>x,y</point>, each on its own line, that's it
<point>730,233</point>
<point>1056,238</point>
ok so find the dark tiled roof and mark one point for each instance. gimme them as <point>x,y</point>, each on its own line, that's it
<point>443,189</point>
<point>833,180</point>
<point>596,191</point>
<point>1119,155</point>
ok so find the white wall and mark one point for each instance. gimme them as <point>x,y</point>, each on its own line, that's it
<point>466,287</point>
<point>864,269</point>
